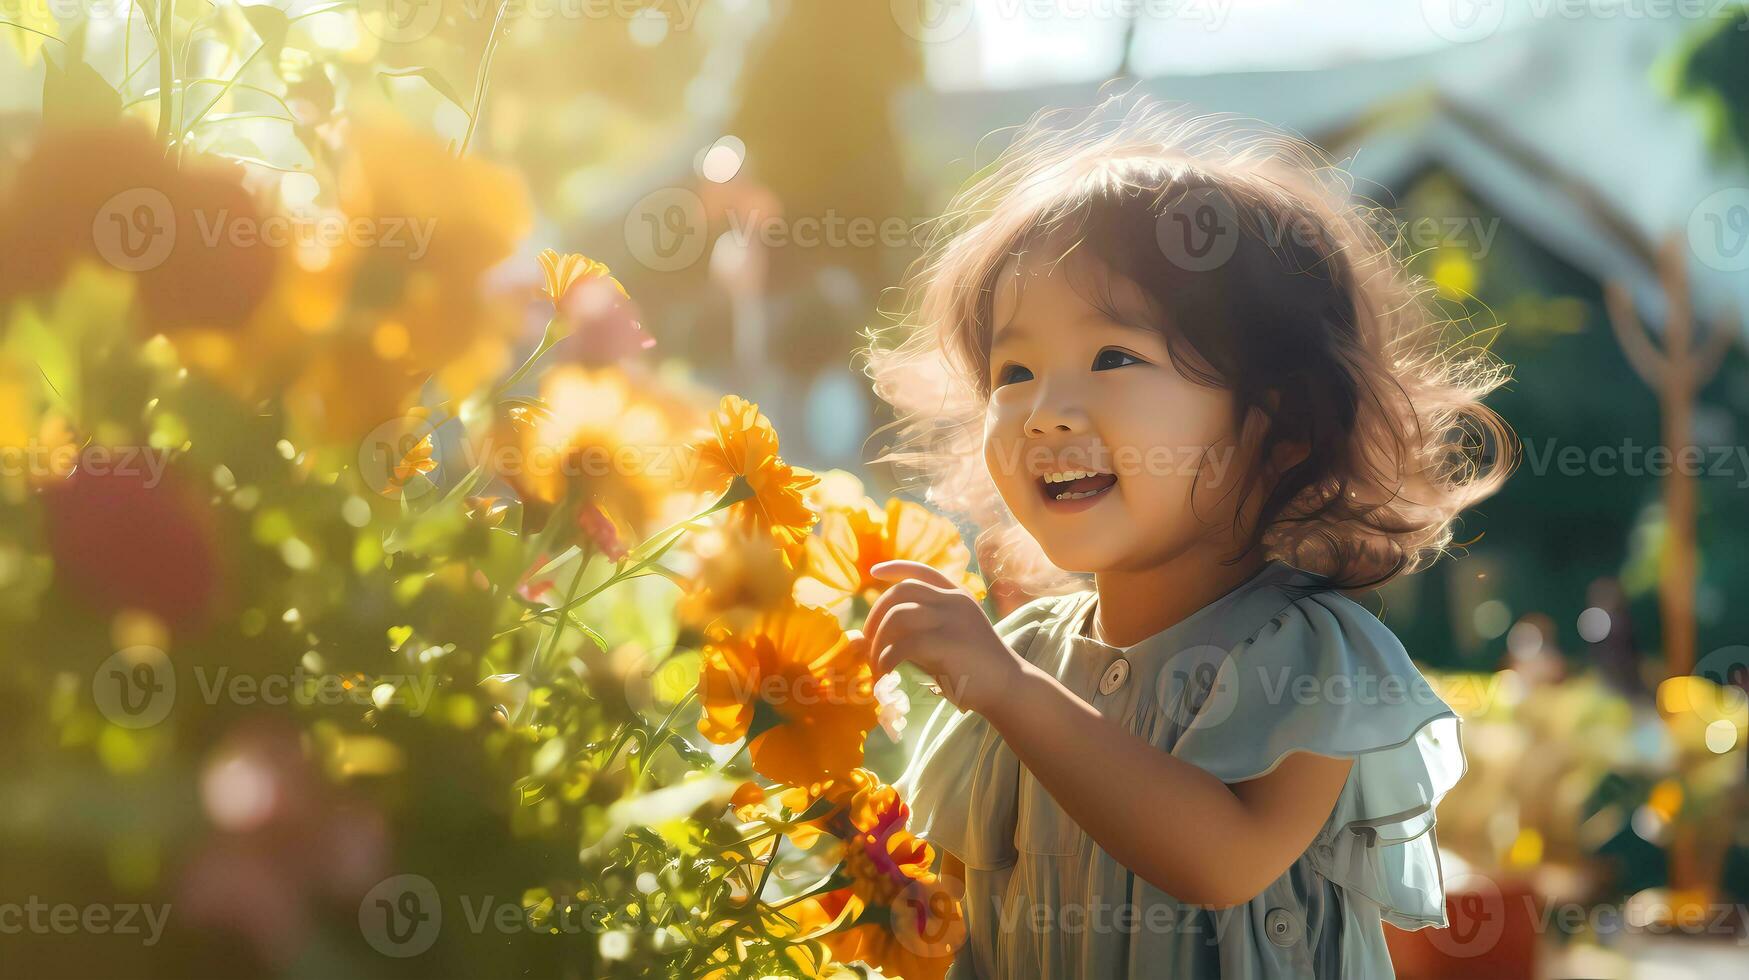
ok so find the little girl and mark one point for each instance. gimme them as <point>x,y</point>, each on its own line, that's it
<point>1163,351</point>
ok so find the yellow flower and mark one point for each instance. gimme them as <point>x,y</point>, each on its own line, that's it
<point>565,271</point>
<point>852,540</point>
<point>796,688</point>
<point>741,574</point>
<point>416,462</point>
<point>599,436</point>
<point>744,444</point>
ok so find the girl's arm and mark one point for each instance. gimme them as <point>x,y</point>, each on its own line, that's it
<point>1182,830</point>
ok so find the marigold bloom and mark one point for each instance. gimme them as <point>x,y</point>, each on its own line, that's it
<point>565,271</point>
<point>796,688</point>
<point>741,574</point>
<point>744,444</point>
<point>855,539</point>
<point>600,436</point>
<point>896,914</point>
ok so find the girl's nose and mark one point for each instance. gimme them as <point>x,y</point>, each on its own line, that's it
<point>1055,414</point>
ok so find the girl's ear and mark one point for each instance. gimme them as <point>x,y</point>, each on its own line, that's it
<point>1286,453</point>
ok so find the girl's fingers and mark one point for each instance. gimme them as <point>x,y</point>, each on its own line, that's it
<point>892,625</point>
<point>899,623</point>
<point>893,571</point>
<point>909,591</point>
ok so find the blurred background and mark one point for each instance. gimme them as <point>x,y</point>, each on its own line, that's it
<point>1573,177</point>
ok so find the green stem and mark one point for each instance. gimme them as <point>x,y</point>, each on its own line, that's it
<point>552,639</point>
<point>223,91</point>
<point>662,736</point>
<point>481,78</point>
<point>166,69</point>
<point>753,904</point>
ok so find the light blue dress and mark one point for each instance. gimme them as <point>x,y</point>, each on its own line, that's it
<point>1276,665</point>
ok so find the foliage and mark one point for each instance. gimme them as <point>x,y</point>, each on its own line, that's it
<point>363,645</point>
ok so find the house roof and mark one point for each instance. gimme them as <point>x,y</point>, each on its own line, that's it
<point>1536,120</point>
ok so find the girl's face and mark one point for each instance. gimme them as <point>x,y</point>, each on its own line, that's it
<point>1101,449</point>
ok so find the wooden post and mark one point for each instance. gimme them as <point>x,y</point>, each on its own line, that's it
<point>1676,374</point>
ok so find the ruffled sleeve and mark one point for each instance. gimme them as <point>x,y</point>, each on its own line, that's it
<point>961,780</point>
<point>1325,676</point>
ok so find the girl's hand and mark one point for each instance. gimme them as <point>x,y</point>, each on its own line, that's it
<point>933,623</point>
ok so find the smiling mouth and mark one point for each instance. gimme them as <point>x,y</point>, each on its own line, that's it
<point>1075,485</point>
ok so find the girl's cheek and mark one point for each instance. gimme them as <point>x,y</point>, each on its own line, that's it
<point>1001,445</point>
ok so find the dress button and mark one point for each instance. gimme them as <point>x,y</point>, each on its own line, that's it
<point>1282,926</point>
<point>1115,675</point>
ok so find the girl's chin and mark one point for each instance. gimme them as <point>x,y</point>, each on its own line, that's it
<point>1083,557</point>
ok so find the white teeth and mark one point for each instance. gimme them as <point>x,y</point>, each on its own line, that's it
<point>1077,495</point>
<point>1064,476</point>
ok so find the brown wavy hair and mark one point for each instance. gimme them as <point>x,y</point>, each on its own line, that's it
<point>1292,295</point>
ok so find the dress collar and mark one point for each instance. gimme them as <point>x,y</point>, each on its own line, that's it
<point>1205,625</point>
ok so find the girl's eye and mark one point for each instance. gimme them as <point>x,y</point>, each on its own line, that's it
<point>1111,357</point>
<point>1012,373</point>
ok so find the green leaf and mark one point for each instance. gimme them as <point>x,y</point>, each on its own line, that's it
<point>431,77</point>
<point>271,24</point>
<point>468,485</point>
<point>564,556</point>
<point>76,93</point>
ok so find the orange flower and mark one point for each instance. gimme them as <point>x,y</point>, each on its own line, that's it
<point>852,540</point>
<point>795,688</point>
<point>896,914</point>
<point>601,436</point>
<point>745,445</point>
<point>416,462</point>
<point>741,575</point>
<point>565,271</point>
